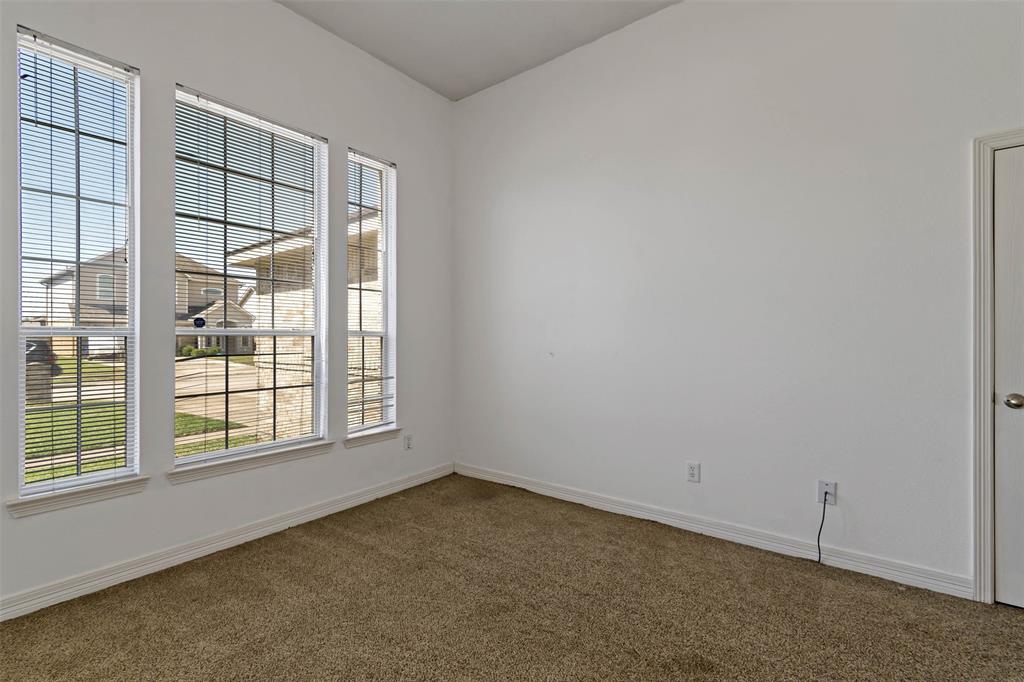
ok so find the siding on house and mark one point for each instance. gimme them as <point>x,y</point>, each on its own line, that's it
<point>282,298</point>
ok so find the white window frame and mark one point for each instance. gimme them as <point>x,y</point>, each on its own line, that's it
<point>389,361</point>
<point>103,289</point>
<point>79,57</point>
<point>319,332</point>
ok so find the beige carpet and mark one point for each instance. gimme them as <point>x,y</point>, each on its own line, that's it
<point>465,580</point>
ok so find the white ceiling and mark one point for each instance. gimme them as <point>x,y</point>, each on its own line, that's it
<point>458,47</point>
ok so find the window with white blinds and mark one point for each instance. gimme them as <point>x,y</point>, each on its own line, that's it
<point>77,333</point>
<point>371,293</point>
<point>250,203</point>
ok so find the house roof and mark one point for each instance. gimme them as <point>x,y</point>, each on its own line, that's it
<point>264,249</point>
<point>115,258</point>
<point>216,312</point>
<point>289,242</point>
<point>192,266</point>
<point>240,256</point>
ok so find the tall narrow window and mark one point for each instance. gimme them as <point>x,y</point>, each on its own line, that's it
<point>371,294</point>
<point>250,241</point>
<point>76,133</point>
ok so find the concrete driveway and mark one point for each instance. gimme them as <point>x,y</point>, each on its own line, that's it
<point>207,375</point>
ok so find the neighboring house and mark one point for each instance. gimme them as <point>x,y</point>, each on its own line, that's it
<point>287,260</point>
<point>103,302</point>
<point>287,301</point>
<point>203,293</point>
<point>199,292</point>
<point>283,298</point>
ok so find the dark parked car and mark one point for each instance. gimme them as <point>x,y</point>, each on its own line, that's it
<point>39,351</point>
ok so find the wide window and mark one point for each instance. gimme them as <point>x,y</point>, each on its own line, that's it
<point>77,329</point>
<point>250,241</point>
<point>371,294</point>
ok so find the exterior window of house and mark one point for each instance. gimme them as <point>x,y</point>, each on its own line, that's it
<point>250,242</point>
<point>105,287</point>
<point>371,294</point>
<point>77,332</point>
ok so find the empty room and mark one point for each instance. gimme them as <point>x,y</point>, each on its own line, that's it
<point>511,340</point>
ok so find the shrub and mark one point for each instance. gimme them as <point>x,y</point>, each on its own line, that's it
<point>186,351</point>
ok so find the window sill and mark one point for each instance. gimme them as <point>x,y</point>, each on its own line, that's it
<point>375,436</point>
<point>70,497</point>
<point>228,465</point>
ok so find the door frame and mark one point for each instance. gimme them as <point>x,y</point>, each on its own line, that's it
<point>985,149</point>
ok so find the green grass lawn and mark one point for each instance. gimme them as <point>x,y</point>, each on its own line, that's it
<point>186,424</point>
<point>48,473</point>
<point>92,371</point>
<point>53,433</point>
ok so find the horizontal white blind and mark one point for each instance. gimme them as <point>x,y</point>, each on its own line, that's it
<point>77,295</point>
<point>250,212</point>
<point>372,361</point>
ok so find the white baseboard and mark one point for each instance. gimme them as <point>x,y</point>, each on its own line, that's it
<point>20,603</point>
<point>897,571</point>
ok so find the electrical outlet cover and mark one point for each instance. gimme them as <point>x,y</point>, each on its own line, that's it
<point>693,472</point>
<point>830,488</point>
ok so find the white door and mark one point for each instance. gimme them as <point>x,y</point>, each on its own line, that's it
<point>1009,374</point>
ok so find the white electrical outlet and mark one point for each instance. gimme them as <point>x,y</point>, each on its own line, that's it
<point>826,487</point>
<point>408,442</point>
<point>693,472</point>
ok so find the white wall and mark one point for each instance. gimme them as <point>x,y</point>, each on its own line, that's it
<point>264,58</point>
<point>738,234</point>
